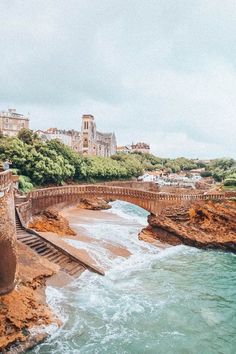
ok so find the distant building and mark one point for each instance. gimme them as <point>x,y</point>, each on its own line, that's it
<point>141,147</point>
<point>94,142</point>
<point>54,133</point>
<point>124,149</point>
<point>12,122</point>
<point>88,142</point>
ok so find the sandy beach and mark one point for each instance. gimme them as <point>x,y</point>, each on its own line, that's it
<point>78,217</point>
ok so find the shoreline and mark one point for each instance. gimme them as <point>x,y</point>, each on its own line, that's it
<point>78,218</point>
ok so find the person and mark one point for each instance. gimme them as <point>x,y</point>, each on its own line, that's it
<point>6,165</point>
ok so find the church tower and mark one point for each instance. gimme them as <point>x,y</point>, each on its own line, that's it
<point>88,135</point>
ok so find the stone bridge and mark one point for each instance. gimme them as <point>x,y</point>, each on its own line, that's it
<point>40,199</point>
<point>151,201</point>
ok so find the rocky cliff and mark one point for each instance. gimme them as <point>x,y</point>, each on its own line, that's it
<point>201,224</point>
<point>50,220</point>
<point>25,308</point>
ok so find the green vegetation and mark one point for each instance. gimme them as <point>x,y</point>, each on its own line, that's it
<point>25,184</point>
<point>230,181</point>
<point>41,163</point>
<point>52,163</point>
<point>222,170</point>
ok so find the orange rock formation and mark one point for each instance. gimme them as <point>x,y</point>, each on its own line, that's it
<point>25,307</point>
<point>94,204</point>
<point>203,224</point>
<point>51,221</point>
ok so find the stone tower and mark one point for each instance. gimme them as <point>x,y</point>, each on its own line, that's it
<point>8,260</point>
<point>88,135</point>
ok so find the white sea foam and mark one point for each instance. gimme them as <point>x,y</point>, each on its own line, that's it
<point>129,212</point>
<point>98,311</point>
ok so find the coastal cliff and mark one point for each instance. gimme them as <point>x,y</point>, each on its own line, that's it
<point>201,224</point>
<point>50,220</point>
<point>25,308</point>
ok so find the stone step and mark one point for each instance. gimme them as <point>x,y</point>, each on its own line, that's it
<point>32,242</point>
<point>77,271</point>
<point>60,258</point>
<point>51,255</point>
<point>41,248</point>
<point>45,248</point>
<point>45,253</point>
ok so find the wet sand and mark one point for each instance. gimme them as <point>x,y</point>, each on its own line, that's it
<point>78,217</point>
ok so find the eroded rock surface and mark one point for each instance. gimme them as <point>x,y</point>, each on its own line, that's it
<point>94,204</point>
<point>50,220</point>
<point>201,224</point>
<point>25,307</point>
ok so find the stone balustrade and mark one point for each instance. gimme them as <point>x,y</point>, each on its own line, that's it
<point>98,190</point>
<point>151,201</point>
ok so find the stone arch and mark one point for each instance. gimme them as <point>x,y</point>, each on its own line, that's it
<point>150,201</point>
<point>44,198</point>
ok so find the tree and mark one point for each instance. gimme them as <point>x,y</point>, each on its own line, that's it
<point>27,136</point>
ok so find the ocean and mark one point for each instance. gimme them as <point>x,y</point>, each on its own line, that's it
<point>178,300</point>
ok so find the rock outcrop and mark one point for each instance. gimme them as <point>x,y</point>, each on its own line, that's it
<point>25,308</point>
<point>94,204</point>
<point>50,220</point>
<point>203,224</point>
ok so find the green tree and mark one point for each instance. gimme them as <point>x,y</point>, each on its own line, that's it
<point>27,136</point>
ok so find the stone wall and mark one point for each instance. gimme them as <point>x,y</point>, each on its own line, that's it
<point>8,258</point>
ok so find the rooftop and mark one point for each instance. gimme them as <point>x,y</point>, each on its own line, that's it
<point>11,113</point>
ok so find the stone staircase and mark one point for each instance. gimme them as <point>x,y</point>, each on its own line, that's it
<point>66,262</point>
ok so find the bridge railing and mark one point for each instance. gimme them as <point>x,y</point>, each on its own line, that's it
<point>116,191</point>
<point>5,179</point>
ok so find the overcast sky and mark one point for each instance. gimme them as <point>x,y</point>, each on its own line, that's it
<point>159,71</point>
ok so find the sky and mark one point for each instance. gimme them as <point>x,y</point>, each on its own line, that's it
<point>158,71</point>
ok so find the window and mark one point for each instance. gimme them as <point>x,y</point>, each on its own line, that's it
<point>85,143</point>
<point>86,125</point>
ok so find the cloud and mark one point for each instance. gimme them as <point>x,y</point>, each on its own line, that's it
<point>160,71</point>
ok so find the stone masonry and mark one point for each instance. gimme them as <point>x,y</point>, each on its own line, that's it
<point>8,258</point>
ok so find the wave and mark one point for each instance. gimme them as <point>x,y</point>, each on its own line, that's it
<point>129,212</point>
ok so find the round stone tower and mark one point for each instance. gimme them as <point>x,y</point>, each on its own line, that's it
<point>8,260</point>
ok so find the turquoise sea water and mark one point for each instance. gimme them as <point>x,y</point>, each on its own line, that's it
<point>180,300</point>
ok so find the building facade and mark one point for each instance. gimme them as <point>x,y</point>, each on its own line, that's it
<point>70,138</point>
<point>94,142</point>
<point>138,147</point>
<point>88,141</point>
<point>12,122</point>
